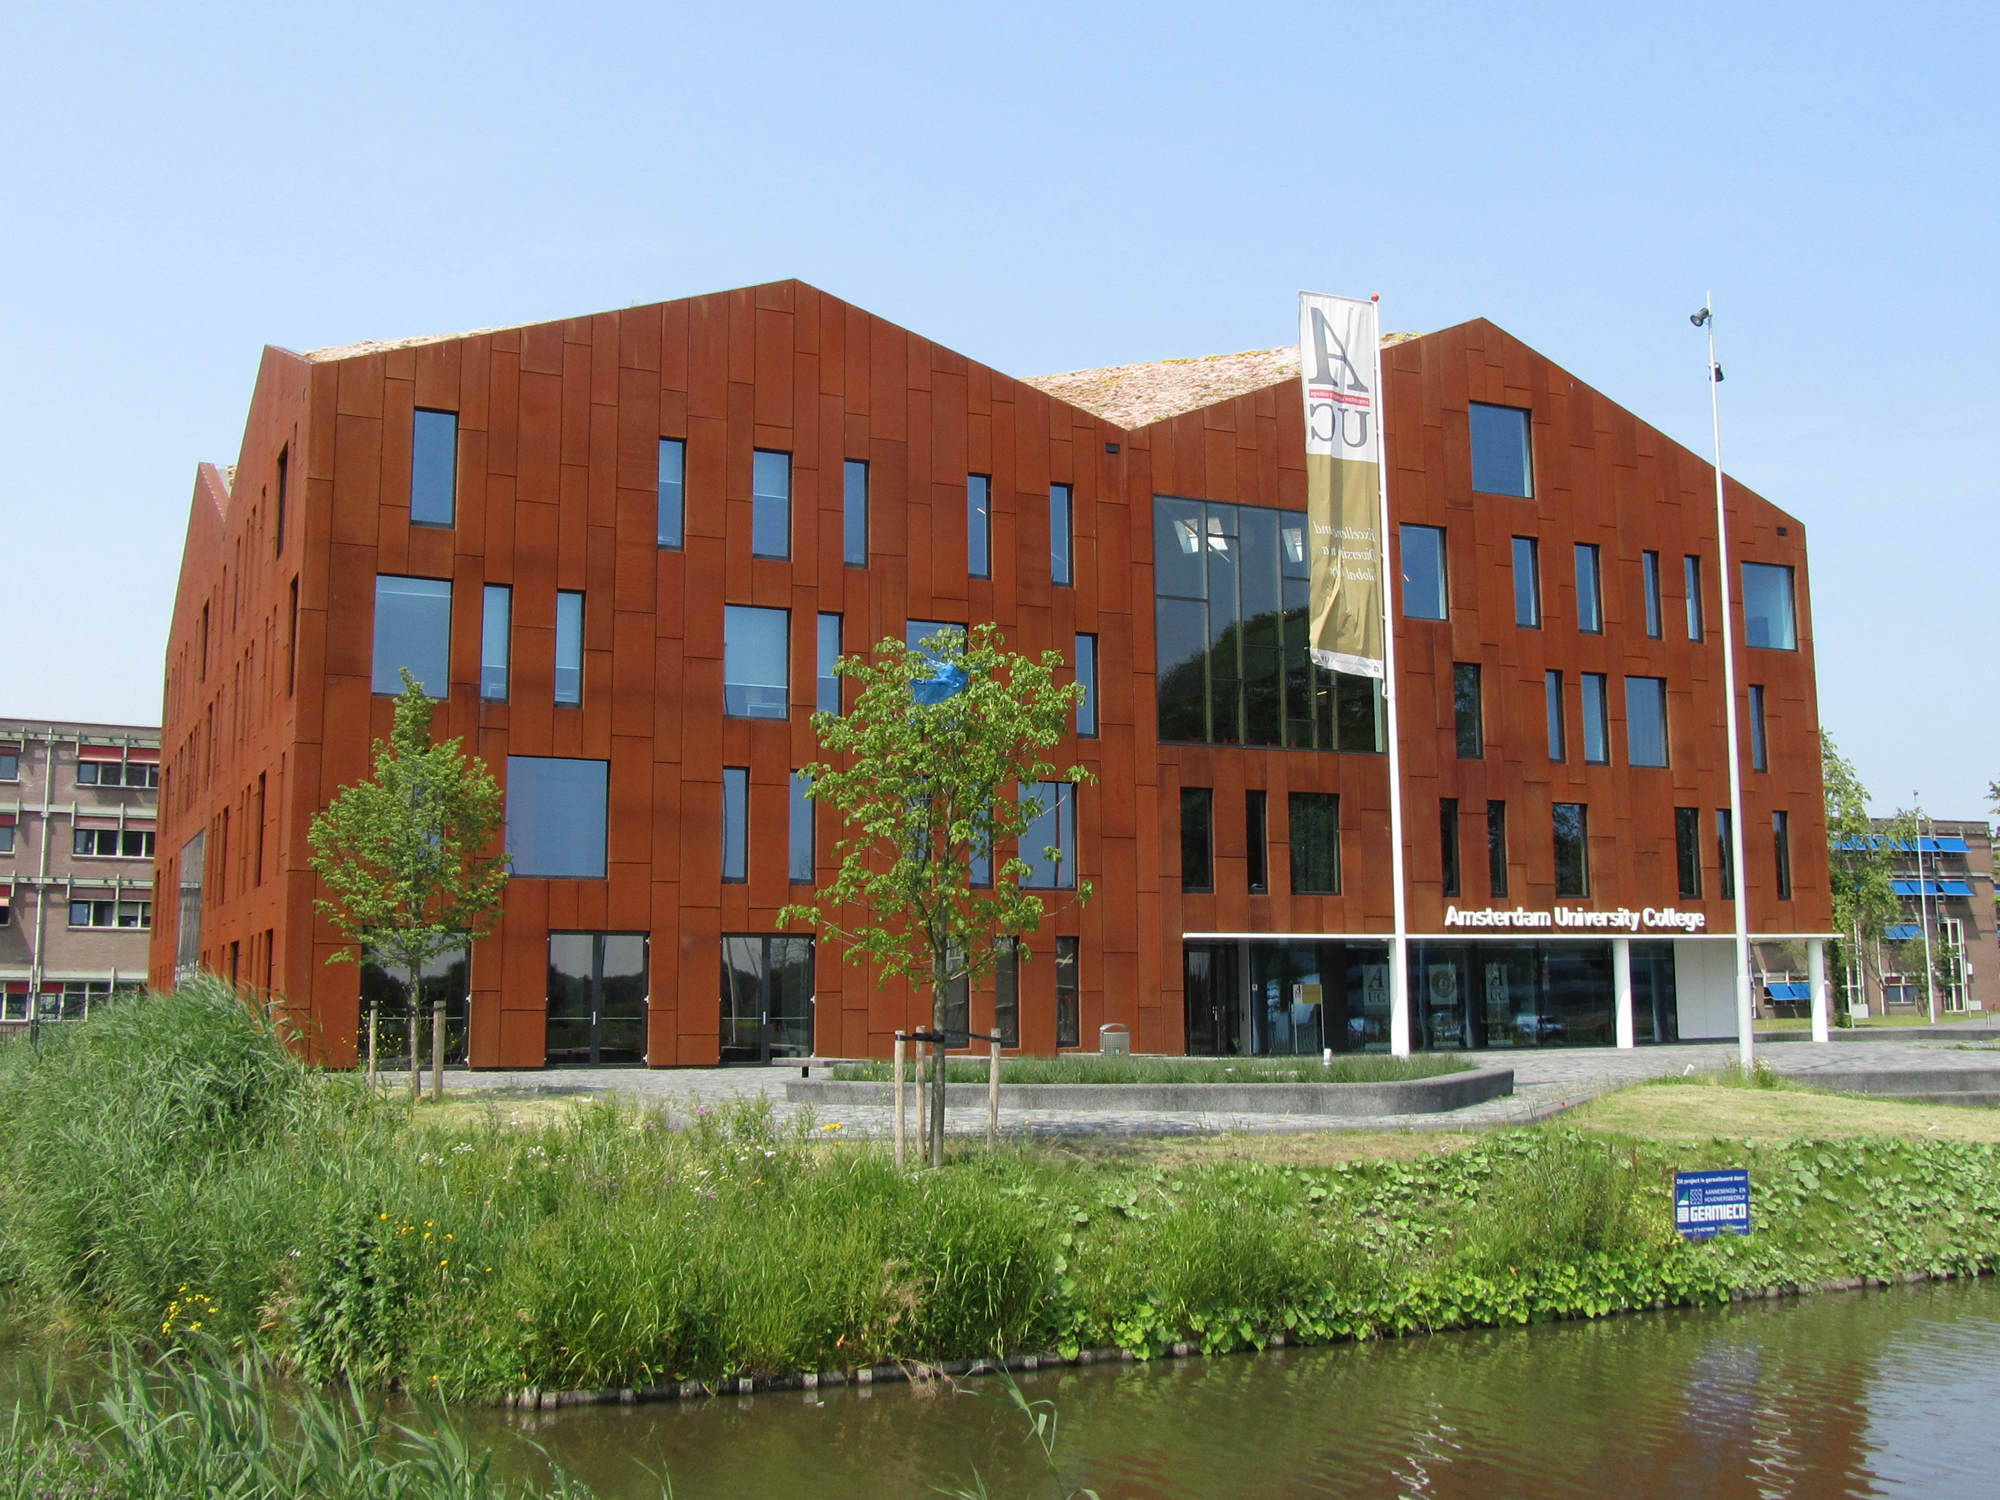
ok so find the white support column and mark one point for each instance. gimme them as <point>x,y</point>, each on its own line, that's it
<point>1621,987</point>
<point>1816,978</point>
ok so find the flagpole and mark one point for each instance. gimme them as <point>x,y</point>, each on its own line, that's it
<point>1399,946</point>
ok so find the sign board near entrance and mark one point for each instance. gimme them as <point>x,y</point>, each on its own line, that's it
<point>1710,1203</point>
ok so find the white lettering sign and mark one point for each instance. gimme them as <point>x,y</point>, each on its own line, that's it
<point>1624,919</point>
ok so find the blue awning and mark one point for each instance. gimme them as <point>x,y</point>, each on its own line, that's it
<point>1936,888</point>
<point>1902,932</point>
<point>1788,989</point>
<point>1926,845</point>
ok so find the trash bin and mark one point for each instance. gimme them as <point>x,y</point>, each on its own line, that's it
<point>1114,1039</point>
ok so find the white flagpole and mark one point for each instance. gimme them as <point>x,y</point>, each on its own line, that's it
<point>1399,946</point>
<point>1745,1011</point>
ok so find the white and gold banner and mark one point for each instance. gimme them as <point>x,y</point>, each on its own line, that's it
<point>1340,369</point>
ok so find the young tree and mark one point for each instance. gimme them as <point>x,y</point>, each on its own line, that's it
<point>1860,860</point>
<point>401,855</point>
<point>934,773</point>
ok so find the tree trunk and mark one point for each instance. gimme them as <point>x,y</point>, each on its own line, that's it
<point>940,1002</point>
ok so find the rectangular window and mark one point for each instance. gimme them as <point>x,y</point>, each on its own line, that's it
<point>1315,837</point>
<point>800,866</point>
<point>1054,829</point>
<point>771,504</point>
<point>1589,591</point>
<point>413,630</point>
<point>111,914</point>
<point>1781,850</point>
<point>7,834</point>
<point>1646,721</point>
<point>433,468</point>
<point>735,824</point>
<point>1687,850</point>
<point>1467,710</point>
<point>979,525</point>
<point>1069,1019</point>
<point>1596,721</point>
<point>826,696</point>
<point>1649,567</point>
<point>1527,583</point>
<point>1448,844</point>
<point>1768,618</point>
<point>1061,572</point>
<point>1572,840</point>
<point>292,643</point>
<point>111,773</point>
<point>854,514</point>
<point>569,648</point>
<point>1760,759</point>
<point>920,635</point>
<point>1500,454</point>
<point>284,479</point>
<point>10,763</point>
<point>673,493</point>
<point>495,636</point>
<point>1197,839</point>
<point>556,815</point>
<point>1425,595</point>
<point>1725,855</point>
<point>756,666</point>
<point>1558,735</point>
<point>1256,838</point>
<point>1086,677</point>
<point>1007,992</point>
<point>1496,848</point>
<point>1691,571</point>
<point>112,843</point>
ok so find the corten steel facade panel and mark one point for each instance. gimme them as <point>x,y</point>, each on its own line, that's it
<point>558,436</point>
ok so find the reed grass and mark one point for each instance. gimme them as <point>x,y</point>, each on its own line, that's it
<point>1090,1068</point>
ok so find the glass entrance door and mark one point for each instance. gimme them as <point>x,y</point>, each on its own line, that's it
<point>1214,1009</point>
<point>767,998</point>
<point>597,997</point>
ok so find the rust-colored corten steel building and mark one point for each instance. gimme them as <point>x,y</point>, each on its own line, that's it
<point>623,549</point>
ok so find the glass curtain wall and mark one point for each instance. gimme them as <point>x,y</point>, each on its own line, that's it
<point>386,989</point>
<point>767,997</point>
<point>597,997</point>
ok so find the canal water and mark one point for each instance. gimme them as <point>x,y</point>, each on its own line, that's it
<point>1879,1393</point>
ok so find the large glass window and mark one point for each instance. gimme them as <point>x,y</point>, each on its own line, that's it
<point>556,814</point>
<point>1527,583</point>
<point>495,642</point>
<point>1467,710</point>
<point>1691,575</point>
<point>1426,593</point>
<point>1054,828</point>
<point>1760,755</point>
<point>756,667</point>
<point>1687,850</point>
<point>672,518</point>
<point>1061,571</point>
<point>1069,1019</point>
<point>979,525</point>
<point>1552,683</point>
<point>569,648</point>
<point>1086,676</point>
<point>1649,568</point>
<point>1448,863</point>
<point>1007,991</point>
<point>433,467</point>
<point>1646,721</point>
<point>1589,591</point>
<point>1768,617</point>
<point>413,630</point>
<point>826,696</point>
<point>1496,848</point>
<point>767,997</point>
<point>920,635</point>
<point>1500,454</point>
<point>1256,839</point>
<point>803,851</point>
<point>1572,846</point>
<point>771,504</point>
<point>1197,838</point>
<point>1231,651</point>
<point>1315,838</point>
<point>1725,854</point>
<point>597,997</point>
<point>112,913</point>
<point>854,514</point>
<point>1781,851</point>
<point>735,823</point>
<point>1596,721</point>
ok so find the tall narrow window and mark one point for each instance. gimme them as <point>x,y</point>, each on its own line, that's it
<point>413,630</point>
<point>1467,710</point>
<point>1061,572</point>
<point>495,636</point>
<point>672,516</point>
<point>799,863</point>
<point>1007,992</point>
<point>1725,854</point>
<point>1496,849</point>
<point>1315,838</point>
<point>433,467</point>
<point>756,666</point>
<point>1197,839</point>
<point>1649,567</point>
<point>1691,571</point>
<point>1500,454</point>
<point>1552,683</point>
<point>1448,844</point>
<point>1760,759</point>
<point>1256,840</point>
<point>1054,828</point>
<point>569,648</point>
<point>854,514</point>
<point>1646,721</point>
<point>1425,595</point>
<point>1069,1027</point>
<point>1527,583</point>
<point>1572,844</point>
<point>735,823</point>
<point>1781,850</point>
<point>284,475</point>
<point>979,525</point>
<point>826,696</point>
<point>1589,591</point>
<point>1596,721</point>
<point>1086,678</point>
<point>771,504</point>
<point>1768,618</point>
<point>292,641</point>
<point>1687,850</point>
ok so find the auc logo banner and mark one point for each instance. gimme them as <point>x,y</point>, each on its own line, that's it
<point>1340,371</point>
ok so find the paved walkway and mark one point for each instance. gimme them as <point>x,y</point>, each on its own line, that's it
<point>1545,1082</point>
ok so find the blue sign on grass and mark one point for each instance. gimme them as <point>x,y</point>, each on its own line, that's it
<point>1711,1203</point>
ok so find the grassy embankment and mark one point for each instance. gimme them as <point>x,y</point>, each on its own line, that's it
<point>1090,1068</point>
<point>166,1164</point>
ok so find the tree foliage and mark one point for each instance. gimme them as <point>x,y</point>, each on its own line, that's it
<point>401,855</point>
<point>1861,858</point>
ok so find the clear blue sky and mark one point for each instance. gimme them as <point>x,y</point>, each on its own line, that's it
<point>1044,187</point>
